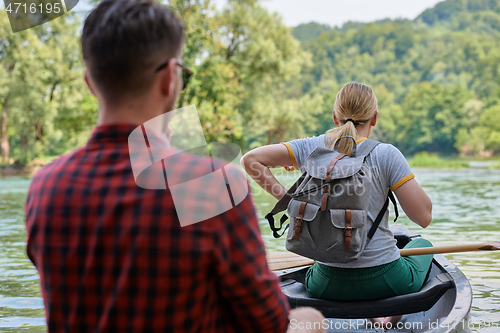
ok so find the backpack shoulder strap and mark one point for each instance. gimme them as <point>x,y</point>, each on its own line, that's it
<point>282,205</point>
<point>366,148</point>
<point>381,214</point>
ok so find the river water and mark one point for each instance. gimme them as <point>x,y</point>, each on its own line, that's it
<point>466,210</point>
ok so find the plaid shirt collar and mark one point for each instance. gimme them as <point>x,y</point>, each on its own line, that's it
<point>111,133</point>
<point>119,133</point>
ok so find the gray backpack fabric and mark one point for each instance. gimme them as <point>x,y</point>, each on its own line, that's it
<point>328,206</point>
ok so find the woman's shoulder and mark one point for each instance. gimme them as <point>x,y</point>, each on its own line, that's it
<point>387,156</point>
<point>314,138</point>
<point>299,149</point>
<point>308,143</point>
<point>387,149</point>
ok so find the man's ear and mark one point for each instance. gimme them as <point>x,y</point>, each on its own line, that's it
<point>87,81</point>
<point>373,122</point>
<point>335,120</point>
<point>167,78</point>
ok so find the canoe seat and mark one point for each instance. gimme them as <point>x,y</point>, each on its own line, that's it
<point>422,300</point>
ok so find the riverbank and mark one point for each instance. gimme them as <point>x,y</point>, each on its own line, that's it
<point>434,161</point>
<point>27,170</point>
<point>421,160</point>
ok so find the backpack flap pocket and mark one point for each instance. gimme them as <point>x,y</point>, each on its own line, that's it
<point>301,214</point>
<point>310,210</point>
<point>352,230</point>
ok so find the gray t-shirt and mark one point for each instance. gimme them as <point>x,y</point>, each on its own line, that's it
<point>389,171</point>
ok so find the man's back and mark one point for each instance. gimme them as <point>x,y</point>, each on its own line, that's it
<point>113,257</point>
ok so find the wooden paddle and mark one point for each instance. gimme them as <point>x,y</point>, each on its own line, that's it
<point>284,260</point>
<point>492,246</point>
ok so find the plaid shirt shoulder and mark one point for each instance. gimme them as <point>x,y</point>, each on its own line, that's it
<point>113,257</point>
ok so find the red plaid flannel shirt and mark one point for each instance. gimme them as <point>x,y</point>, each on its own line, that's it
<point>112,256</point>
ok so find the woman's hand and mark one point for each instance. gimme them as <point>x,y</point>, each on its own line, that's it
<point>257,163</point>
<point>415,203</point>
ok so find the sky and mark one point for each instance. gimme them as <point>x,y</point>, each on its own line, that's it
<point>338,12</point>
<point>332,12</point>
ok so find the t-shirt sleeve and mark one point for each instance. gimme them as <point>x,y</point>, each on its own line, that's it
<point>300,149</point>
<point>396,166</point>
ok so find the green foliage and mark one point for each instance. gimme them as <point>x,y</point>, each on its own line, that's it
<point>488,128</point>
<point>257,81</point>
<point>243,57</point>
<point>435,77</point>
<point>432,160</point>
<point>42,87</point>
<point>447,12</point>
<point>494,166</point>
<point>433,116</point>
<point>308,31</point>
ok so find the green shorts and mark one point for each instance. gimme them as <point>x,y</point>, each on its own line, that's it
<point>403,276</point>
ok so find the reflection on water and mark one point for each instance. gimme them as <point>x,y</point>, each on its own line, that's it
<point>21,305</point>
<point>466,210</point>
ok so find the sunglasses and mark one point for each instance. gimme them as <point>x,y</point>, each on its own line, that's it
<point>186,72</point>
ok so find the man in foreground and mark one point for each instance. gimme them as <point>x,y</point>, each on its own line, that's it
<point>113,256</point>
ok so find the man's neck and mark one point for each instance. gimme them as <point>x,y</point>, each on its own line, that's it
<point>133,113</point>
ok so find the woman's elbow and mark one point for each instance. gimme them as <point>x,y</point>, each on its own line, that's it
<point>243,161</point>
<point>426,218</point>
<point>247,161</point>
<point>424,223</point>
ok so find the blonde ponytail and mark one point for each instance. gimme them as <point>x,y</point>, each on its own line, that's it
<point>355,104</point>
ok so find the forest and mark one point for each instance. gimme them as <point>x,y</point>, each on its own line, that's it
<point>258,81</point>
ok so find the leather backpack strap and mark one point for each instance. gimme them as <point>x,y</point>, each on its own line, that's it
<point>348,230</point>
<point>298,225</point>
<point>326,189</point>
<point>282,205</point>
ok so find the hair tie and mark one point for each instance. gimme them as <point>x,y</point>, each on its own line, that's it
<point>351,120</point>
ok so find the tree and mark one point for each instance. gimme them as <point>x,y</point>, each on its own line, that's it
<point>285,118</point>
<point>488,128</point>
<point>433,116</point>
<point>215,88</point>
<point>243,56</point>
<point>268,60</point>
<point>43,82</point>
<point>309,31</point>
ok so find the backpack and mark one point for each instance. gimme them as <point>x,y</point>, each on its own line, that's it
<point>328,206</point>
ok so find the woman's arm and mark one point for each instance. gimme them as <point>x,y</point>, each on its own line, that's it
<point>415,202</point>
<point>257,163</point>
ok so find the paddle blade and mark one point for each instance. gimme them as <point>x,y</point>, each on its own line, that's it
<point>493,246</point>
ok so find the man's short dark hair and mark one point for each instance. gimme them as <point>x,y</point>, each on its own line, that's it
<point>122,42</point>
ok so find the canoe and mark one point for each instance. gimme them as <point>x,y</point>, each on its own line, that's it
<point>441,306</point>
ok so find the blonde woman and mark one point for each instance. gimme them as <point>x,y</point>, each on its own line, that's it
<point>380,272</point>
